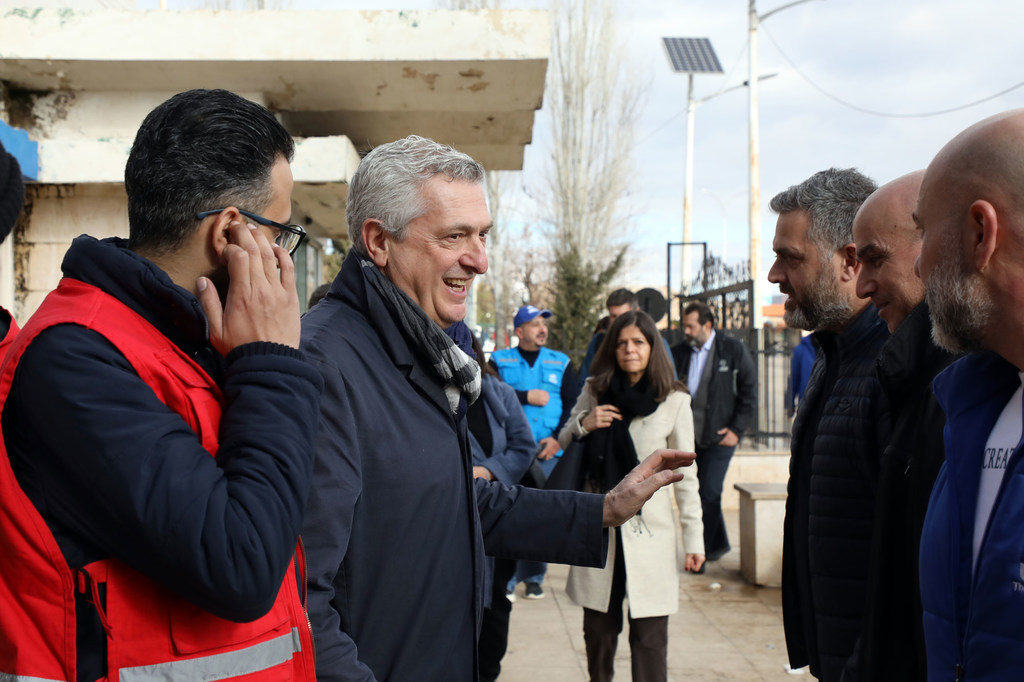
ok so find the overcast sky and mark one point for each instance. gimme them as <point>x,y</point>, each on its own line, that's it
<point>904,57</point>
<point>890,56</point>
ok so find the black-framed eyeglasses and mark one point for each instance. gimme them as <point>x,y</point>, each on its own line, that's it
<point>288,236</point>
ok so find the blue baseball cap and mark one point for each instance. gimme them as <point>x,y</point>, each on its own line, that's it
<point>527,313</point>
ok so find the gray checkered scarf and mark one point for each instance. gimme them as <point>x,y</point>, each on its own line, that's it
<point>449,351</point>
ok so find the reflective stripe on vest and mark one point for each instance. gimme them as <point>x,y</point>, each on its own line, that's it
<point>8,677</point>
<point>247,661</point>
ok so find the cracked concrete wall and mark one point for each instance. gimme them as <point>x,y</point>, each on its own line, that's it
<point>54,216</point>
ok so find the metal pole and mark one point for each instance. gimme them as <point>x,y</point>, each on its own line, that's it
<point>757,315</point>
<point>668,281</point>
<point>691,108</point>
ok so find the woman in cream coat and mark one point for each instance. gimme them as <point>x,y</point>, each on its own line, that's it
<point>633,370</point>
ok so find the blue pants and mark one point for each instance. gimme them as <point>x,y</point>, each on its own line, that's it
<point>712,464</point>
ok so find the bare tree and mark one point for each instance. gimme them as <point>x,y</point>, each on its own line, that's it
<point>592,102</point>
<point>518,267</point>
<point>498,262</point>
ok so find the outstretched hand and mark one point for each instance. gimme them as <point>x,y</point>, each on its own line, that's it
<point>262,303</point>
<point>626,499</point>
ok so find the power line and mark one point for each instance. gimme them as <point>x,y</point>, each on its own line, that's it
<point>873,112</point>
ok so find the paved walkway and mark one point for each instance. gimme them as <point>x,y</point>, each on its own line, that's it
<point>729,633</point>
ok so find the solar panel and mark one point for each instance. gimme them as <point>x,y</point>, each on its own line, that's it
<point>692,55</point>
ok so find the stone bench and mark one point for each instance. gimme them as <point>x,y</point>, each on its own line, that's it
<point>762,512</point>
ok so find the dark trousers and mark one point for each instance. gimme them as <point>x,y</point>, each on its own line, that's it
<point>648,637</point>
<point>712,464</point>
<point>493,640</point>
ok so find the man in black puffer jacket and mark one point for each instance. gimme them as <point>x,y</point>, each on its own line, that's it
<point>840,426</point>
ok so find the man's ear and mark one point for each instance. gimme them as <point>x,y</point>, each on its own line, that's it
<point>375,239</point>
<point>217,235</point>
<point>983,229</point>
<point>849,267</point>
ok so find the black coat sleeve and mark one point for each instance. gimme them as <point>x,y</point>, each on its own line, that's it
<point>115,472</point>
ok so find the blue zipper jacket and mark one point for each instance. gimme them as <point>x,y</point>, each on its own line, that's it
<point>545,374</point>
<point>974,623</point>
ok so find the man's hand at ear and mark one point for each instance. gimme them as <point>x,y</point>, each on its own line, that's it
<point>262,303</point>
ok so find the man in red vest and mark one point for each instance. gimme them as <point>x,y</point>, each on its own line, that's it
<point>158,423</point>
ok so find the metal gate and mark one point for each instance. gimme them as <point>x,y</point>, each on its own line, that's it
<point>728,291</point>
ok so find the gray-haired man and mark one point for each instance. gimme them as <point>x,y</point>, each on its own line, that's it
<point>839,429</point>
<point>397,526</point>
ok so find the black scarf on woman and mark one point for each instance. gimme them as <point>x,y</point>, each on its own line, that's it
<point>610,451</point>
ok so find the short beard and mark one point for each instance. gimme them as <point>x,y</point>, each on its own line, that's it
<point>824,306</point>
<point>960,308</point>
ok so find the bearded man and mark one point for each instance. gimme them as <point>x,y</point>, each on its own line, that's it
<point>888,243</point>
<point>839,428</point>
<point>971,215</point>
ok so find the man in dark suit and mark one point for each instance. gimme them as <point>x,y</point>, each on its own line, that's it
<point>720,374</point>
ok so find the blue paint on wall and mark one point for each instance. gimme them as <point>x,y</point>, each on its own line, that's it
<point>26,151</point>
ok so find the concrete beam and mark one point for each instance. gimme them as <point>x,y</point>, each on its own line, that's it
<point>498,129</point>
<point>304,61</point>
<point>322,169</point>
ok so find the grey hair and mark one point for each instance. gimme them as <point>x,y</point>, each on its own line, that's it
<point>388,184</point>
<point>832,197</point>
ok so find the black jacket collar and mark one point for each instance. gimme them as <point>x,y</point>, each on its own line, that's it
<point>111,266</point>
<point>910,360</point>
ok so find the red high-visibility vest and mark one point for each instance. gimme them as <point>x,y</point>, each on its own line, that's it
<point>8,339</point>
<point>151,633</point>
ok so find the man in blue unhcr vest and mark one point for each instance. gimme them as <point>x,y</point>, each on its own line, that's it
<point>546,385</point>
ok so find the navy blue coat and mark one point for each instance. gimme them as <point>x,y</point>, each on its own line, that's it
<point>974,620</point>
<point>115,472</point>
<point>397,528</point>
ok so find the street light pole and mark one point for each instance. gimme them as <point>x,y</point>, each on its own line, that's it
<point>690,56</point>
<point>754,216</point>
<point>755,163</point>
<point>691,109</point>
